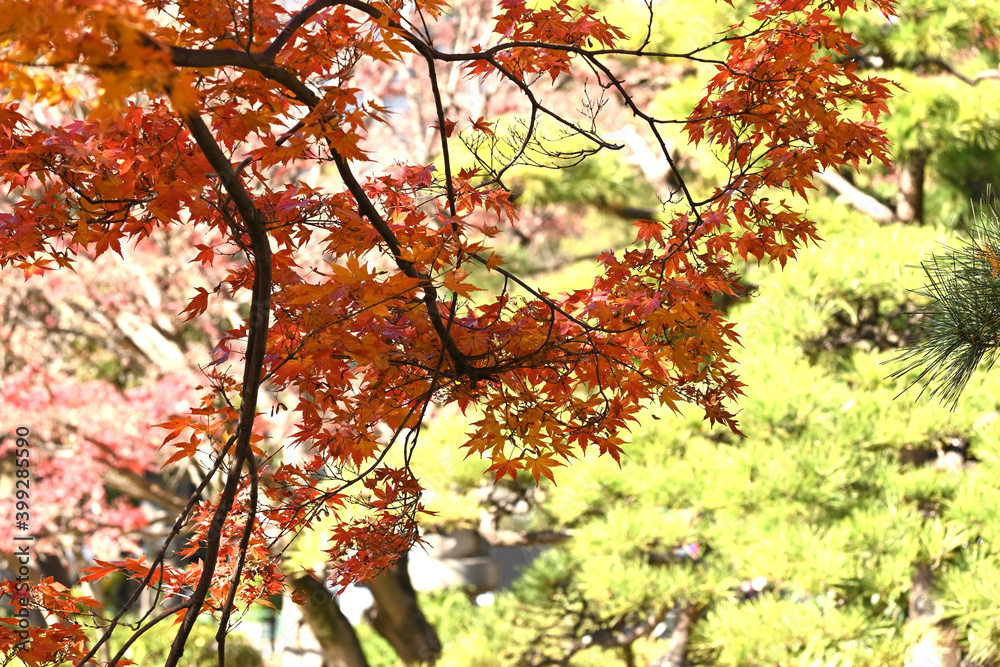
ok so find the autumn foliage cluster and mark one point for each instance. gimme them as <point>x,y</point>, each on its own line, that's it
<point>375,298</point>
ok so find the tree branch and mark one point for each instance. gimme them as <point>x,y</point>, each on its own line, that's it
<point>157,562</point>
<point>951,69</point>
<point>257,327</point>
<point>858,199</point>
<point>676,653</point>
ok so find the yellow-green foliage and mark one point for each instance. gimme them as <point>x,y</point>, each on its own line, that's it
<point>152,647</point>
<point>815,502</point>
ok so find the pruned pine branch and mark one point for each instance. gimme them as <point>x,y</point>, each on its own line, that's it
<point>962,319</point>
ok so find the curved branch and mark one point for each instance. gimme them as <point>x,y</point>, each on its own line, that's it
<point>257,326</point>
<point>973,80</point>
<point>857,198</point>
<point>430,298</point>
<point>368,210</point>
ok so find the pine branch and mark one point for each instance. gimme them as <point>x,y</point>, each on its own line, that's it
<point>963,318</point>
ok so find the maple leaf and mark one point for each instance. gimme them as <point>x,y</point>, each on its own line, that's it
<point>611,447</point>
<point>197,305</point>
<point>504,467</point>
<point>542,465</point>
<point>449,127</point>
<point>455,281</point>
<point>185,450</point>
<point>649,231</point>
<point>484,126</point>
<point>102,570</point>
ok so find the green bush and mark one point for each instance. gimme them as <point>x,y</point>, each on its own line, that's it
<point>153,646</point>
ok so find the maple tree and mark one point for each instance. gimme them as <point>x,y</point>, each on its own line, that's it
<point>369,299</point>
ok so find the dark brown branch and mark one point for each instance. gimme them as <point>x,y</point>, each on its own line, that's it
<point>951,69</point>
<point>430,298</point>
<point>184,57</point>
<point>259,60</point>
<point>241,559</point>
<point>257,326</point>
<point>368,210</point>
<point>166,613</point>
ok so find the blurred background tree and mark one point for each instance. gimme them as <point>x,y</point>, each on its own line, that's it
<point>945,123</point>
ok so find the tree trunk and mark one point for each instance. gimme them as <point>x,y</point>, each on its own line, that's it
<point>397,616</point>
<point>937,646</point>
<point>910,200</point>
<point>676,653</point>
<point>339,645</point>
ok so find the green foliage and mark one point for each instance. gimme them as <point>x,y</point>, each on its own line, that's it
<point>819,502</point>
<point>957,129</point>
<point>153,646</point>
<point>937,116</point>
<point>601,182</point>
<point>929,29</point>
<point>378,651</point>
<point>679,29</point>
<point>860,271</point>
<point>803,630</point>
<point>453,615</point>
<point>971,589</point>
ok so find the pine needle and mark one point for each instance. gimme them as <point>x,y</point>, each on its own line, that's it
<point>962,320</point>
